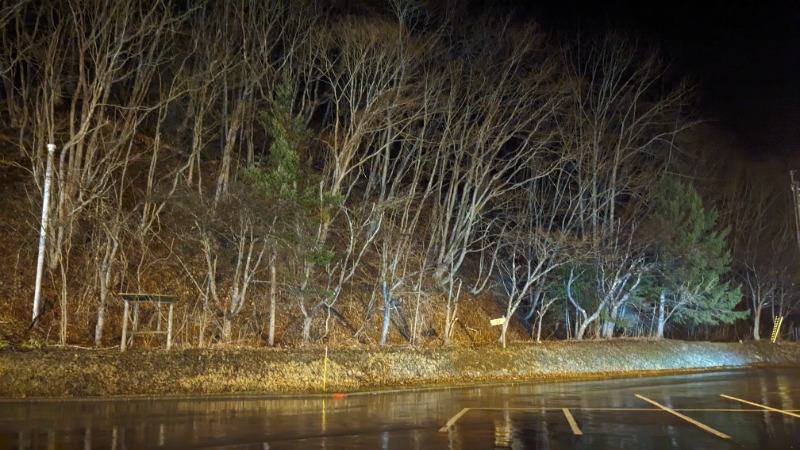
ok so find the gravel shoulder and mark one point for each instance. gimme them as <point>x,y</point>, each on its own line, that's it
<point>57,372</point>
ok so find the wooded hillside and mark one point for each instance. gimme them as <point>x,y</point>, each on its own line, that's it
<point>301,172</point>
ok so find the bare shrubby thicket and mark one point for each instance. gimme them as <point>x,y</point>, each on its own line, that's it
<point>298,173</point>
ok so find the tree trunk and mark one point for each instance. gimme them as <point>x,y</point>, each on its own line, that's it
<point>586,322</point>
<point>661,317</point>
<point>581,330</point>
<point>539,328</point>
<point>452,310</point>
<point>227,327</point>
<point>105,280</point>
<point>608,329</point>
<point>306,329</point>
<point>757,324</point>
<point>62,331</point>
<point>543,310</point>
<point>201,330</point>
<point>447,320</point>
<point>387,313</point>
<point>101,315</point>
<point>227,153</point>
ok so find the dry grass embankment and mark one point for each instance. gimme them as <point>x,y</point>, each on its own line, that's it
<point>82,373</point>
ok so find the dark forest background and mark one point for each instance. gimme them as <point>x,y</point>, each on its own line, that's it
<point>393,172</point>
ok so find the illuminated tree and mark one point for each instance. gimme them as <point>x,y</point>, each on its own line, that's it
<point>694,262</point>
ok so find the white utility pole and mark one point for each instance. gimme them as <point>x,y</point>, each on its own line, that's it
<point>37,293</point>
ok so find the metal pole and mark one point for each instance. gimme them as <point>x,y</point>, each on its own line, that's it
<point>37,293</point>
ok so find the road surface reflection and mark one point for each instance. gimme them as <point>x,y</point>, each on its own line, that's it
<point>588,414</point>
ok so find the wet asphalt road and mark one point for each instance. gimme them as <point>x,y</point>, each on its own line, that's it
<point>701,411</point>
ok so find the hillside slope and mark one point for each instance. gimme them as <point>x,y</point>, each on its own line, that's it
<point>87,373</point>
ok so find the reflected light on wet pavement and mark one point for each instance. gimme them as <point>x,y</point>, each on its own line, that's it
<point>733,409</point>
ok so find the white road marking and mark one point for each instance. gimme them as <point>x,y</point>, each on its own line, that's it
<point>659,408</point>
<point>453,420</point>
<point>559,408</point>
<point>686,418</point>
<point>572,424</point>
<point>782,411</point>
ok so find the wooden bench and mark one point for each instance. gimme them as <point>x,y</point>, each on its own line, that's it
<point>137,299</point>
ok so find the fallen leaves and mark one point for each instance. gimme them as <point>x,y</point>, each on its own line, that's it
<point>79,373</point>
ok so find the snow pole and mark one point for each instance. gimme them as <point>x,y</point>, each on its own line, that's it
<point>37,293</point>
<point>776,328</point>
<point>325,370</point>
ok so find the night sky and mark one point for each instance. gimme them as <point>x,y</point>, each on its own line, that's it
<point>744,57</point>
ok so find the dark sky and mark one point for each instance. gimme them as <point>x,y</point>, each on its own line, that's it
<point>745,56</point>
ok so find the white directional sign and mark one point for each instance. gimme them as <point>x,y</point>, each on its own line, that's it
<point>496,322</point>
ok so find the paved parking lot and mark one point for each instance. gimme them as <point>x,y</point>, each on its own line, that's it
<point>716,420</point>
<point>751,409</point>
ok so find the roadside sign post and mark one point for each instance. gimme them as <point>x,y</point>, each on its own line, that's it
<point>496,322</point>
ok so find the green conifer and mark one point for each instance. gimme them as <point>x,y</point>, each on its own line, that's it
<point>694,262</point>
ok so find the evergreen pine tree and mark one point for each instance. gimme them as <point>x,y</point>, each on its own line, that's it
<point>692,282</point>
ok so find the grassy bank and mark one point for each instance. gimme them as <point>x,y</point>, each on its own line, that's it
<point>82,373</point>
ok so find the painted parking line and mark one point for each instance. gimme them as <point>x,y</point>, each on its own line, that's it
<point>572,424</point>
<point>621,409</point>
<point>453,420</point>
<point>686,418</point>
<point>660,408</point>
<point>782,411</point>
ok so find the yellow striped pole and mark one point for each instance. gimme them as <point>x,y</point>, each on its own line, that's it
<point>776,328</point>
<point>325,370</point>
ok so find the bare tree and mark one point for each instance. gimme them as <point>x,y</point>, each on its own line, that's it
<point>759,211</point>
<point>494,121</point>
<point>610,278</point>
<point>396,177</point>
<point>621,125</point>
<point>762,289</point>
<point>618,281</point>
<point>234,238</point>
<point>542,214</point>
<point>364,95</point>
<point>98,64</point>
<point>107,245</point>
